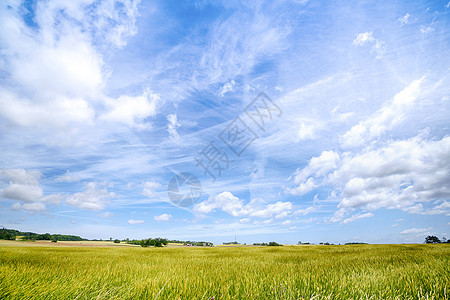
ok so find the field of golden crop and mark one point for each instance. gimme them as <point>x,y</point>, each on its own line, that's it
<point>288,272</point>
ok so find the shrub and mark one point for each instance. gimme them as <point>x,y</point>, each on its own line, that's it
<point>274,244</point>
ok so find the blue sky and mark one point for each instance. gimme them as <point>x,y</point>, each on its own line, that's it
<point>102,103</point>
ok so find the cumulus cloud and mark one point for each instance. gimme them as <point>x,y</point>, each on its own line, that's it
<point>24,186</point>
<point>306,179</point>
<point>234,206</point>
<point>401,175</point>
<point>37,207</point>
<point>305,132</point>
<point>163,218</point>
<point>386,118</point>
<point>94,197</point>
<point>133,222</point>
<point>53,84</point>
<point>366,38</point>
<point>132,111</point>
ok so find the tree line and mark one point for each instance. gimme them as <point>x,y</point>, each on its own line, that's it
<point>432,239</point>
<point>160,242</point>
<point>12,234</point>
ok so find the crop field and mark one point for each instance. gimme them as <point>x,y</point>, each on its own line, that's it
<point>288,272</point>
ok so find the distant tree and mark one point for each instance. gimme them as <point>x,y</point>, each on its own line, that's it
<point>6,234</point>
<point>54,241</point>
<point>45,237</point>
<point>431,239</point>
<point>116,241</point>
<point>144,243</point>
<point>274,244</point>
<point>259,244</point>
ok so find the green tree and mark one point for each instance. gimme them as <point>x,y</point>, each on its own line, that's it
<point>274,244</point>
<point>431,239</point>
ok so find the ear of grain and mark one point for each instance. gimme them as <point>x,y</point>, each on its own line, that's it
<point>289,272</point>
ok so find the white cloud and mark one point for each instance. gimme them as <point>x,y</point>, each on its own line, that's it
<point>232,51</point>
<point>426,29</point>
<point>405,19</point>
<point>306,211</point>
<point>68,177</point>
<point>227,87</point>
<point>150,187</point>
<point>54,199</point>
<point>24,186</point>
<point>163,218</point>
<point>36,207</point>
<point>305,132</point>
<point>133,222</point>
<point>401,175</point>
<point>132,111</point>
<point>23,192</point>
<point>417,231</point>
<point>305,179</point>
<point>357,217</point>
<point>172,127</point>
<point>386,118</point>
<point>57,86</point>
<point>107,214</point>
<point>234,206</point>
<point>122,14</point>
<point>287,222</point>
<point>378,46</point>
<point>277,210</point>
<point>362,38</point>
<point>441,209</point>
<point>93,198</point>
<point>225,201</point>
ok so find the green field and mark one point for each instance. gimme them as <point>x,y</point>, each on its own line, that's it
<point>288,272</point>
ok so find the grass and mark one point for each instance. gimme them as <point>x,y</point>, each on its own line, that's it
<point>289,272</point>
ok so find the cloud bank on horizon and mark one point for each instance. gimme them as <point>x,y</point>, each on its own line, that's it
<point>103,102</point>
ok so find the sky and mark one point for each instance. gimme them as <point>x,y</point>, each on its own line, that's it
<point>287,121</point>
